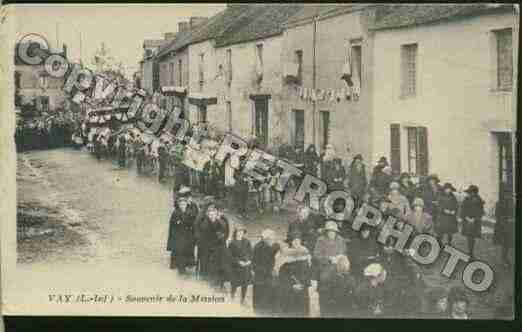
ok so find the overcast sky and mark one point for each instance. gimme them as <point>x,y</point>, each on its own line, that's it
<point>121,27</point>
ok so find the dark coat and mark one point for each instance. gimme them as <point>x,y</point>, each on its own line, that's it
<point>431,200</point>
<point>368,297</point>
<point>358,180</point>
<point>363,252</point>
<point>311,162</point>
<point>505,225</point>
<point>337,293</point>
<point>213,254</point>
<point>334,177</point>
<point>241,250</point>
<point>408,191</point>
<point>472,207</point>
<point>182,175</point>
<point>308,230</point>
<point>294,302</point>
<point>446,223</point>
<point>381,182</point>
<point>181,240</point>
<point>264,291</point>
<point>213,178</point>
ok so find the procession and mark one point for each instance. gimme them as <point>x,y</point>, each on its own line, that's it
<point>366,117</point>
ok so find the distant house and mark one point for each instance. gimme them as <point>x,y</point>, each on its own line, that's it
<point>149,66</point>
<point>35,87</point>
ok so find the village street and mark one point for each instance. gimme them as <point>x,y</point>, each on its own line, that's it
<point>116,219</point>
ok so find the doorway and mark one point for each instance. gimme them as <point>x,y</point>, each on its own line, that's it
<point>505,162</point>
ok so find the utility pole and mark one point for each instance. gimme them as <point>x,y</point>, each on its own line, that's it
<point>314,77</point>
<point>514,101</point>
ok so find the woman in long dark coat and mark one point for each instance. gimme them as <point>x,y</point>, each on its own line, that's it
<point>241,254</point>
<point>337,289</point>
<point>181,239</point>
<point>446,223</point>
<point>357,177</point>
<point>311,160</point>
<point>505,225</point>
<point>472,211</point>
<point>263,261</point>
<point>212,235</point>
<point>294,278</point>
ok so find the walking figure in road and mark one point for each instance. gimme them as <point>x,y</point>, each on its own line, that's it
<point>212,236</point>
<point>181,241</point>
<point>446,223</point>
<point>264,290</point>
<point>122,149</point>
<point>241,253</point>
<point>472,212</point>
<point>293,267</point>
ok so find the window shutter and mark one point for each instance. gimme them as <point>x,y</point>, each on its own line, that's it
<point>395,140</point>
<point>422,155</point>
<point>505,59</point>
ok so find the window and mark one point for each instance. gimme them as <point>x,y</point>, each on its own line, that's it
<point>202,114</point>
<point>171,71</point>
<point>261,120</point>
<point>180,73</point>
<point>325,128</point>
<point>229,67</point>
<point>395,147</point>
<point>229,115</point>
<point>417,150</point>
<point>201,71</point>
<point>409,70</point>
<point>504,39</point>
<point>299,128</point>
<point>299,61</point>
<point>356,51</point>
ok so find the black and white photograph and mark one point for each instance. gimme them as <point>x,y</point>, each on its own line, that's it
<point>341,160</point>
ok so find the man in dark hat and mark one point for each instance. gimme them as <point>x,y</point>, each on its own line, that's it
<point>446,223</point>
<point>472,212</point>
<point>357,177</point>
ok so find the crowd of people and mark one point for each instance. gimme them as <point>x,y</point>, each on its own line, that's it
<point>353,274</point>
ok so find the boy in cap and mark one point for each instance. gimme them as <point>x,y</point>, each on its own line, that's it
<point>241,254</point>
<point>263,261</point>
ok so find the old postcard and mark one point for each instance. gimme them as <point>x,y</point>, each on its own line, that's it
<point>260,160</point>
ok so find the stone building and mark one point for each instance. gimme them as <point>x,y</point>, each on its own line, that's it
<point>149,65</point>
<point>442,93</point>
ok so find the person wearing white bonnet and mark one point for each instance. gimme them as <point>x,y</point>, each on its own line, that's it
<point>372,294</point>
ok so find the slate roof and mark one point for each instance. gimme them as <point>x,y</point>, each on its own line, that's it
<point>308,10</point>
<point>404,15</point>
<point>153,42</point>
<point>256,22</point>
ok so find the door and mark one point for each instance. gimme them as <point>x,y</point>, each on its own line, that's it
<point>299,128</point>
<point>261,120</point>
<point>505,160</point>
<point>325,129</point>
<point>202,114</point>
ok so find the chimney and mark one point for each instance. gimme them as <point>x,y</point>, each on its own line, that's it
<point>197,20</point>
<point>183,26</point>
<point>169,35</point>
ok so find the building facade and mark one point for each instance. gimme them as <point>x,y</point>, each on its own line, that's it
<point>444,106</point>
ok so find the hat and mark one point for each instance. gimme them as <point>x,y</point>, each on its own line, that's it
<point>373,270</point>
<point>383,160</point>
<point>184,191</point>
<point>394,185</point>
<point>472,189</point>
<point>358,156</point>
<point>405,175</point>
<point>418,202</point>
<point>331,226</point>
<point>434,177</point>
<point>295,234</point>
<point>448,185</point>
